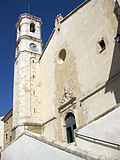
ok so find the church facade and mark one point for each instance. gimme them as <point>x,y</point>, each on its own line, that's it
<point>69,92</point>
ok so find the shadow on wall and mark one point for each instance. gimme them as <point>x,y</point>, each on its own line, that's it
<point>115,66</point>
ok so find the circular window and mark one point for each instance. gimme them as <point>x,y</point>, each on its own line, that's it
<point>62,56</point>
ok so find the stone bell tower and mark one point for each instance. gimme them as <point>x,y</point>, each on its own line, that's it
<point>26,101</point>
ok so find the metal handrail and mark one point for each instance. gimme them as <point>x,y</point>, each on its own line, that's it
<point>96,139</point>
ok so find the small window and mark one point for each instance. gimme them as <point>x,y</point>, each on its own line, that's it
<point>10,138</point>
<point>102,45</point>
<point>33,92</point>
<point>33,76</point>
<point>32,27</point>
<point>6,137</point>
<point>19,28</point>
<point>18,50</point>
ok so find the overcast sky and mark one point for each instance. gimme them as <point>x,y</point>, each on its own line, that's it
<point>10,10</point>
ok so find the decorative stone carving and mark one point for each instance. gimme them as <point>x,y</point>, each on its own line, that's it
<point>58,19</point>
<point>68,94</point>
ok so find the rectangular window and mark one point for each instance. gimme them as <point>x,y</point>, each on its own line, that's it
<point>102,45</point>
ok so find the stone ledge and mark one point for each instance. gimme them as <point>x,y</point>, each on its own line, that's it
<point>70,148</point>
<point>31,17</point>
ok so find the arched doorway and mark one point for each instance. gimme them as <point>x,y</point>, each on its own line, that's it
<point>70,126</point>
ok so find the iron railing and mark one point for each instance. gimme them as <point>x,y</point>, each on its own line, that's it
<point>96,139</point>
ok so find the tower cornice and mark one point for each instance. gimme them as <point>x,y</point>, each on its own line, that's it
<point>28,37</point>
<point>31,17</point>
<point>26,51</point>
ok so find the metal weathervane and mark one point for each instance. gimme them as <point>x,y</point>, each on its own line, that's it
<point>28,8</point>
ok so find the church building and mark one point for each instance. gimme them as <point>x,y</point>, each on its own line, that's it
<point>66,102</point>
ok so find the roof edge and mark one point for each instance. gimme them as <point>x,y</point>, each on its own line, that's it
<point>76,9</point>
<point>48,42</point>
<point>29,16</point>
<point>69,148</point>
<point>5,118</point>
<point>66,17</point>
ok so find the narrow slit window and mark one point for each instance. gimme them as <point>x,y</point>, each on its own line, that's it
<point>33,76</point>
<point>19,29</point>
<point>6,137</point>
<point>33,92</point>
<point>10,138</point>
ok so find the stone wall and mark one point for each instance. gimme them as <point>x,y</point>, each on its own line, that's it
<point>8,123</point>
<point>102,136</point>
<point>78,72</point>
<point>82,56</point>
<point>1,133</point>
<point>27,95</point>
<point>31,146</point>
